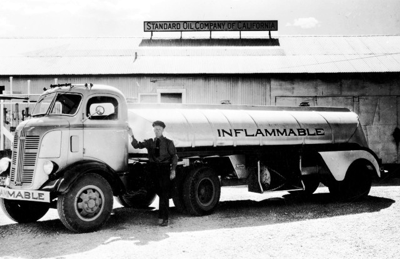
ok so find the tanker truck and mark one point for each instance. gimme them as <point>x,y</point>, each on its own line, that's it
<point>74,154</point>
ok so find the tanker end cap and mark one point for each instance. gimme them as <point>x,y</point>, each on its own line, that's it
<point>358,137</point>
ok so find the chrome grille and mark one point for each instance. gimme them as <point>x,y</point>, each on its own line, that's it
<point>30,159</point>
<point>27,176</point>
<point>24,155</point>
<point>14,157</point>
<point>12,177</point>
<point>32,142</point>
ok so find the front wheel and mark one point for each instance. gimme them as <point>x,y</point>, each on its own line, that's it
<point>201,191</point>
<point>87,205</point>
<point>24,211</point>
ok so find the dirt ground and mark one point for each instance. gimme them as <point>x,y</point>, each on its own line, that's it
<point>245,225</point>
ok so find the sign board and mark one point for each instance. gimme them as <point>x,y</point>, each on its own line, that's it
<point>167,26</point>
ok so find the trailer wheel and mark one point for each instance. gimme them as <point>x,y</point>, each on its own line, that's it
<point>141,200</point>
<point>356,185</point>
<point>87,205</point>
<point>24,211</point>
<point>201,191</point>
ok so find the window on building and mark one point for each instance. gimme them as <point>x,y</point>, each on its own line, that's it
<point>164,96</point>
<point>171,95</point>
<point>148,98</point>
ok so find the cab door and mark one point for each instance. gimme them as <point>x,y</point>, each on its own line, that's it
<point>105,136</point>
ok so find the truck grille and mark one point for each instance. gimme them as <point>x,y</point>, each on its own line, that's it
<point>24,155</point>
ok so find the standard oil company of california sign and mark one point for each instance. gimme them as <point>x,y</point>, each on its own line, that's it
<point>165,26</point>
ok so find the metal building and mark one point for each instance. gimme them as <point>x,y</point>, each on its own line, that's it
<point>358,72</point>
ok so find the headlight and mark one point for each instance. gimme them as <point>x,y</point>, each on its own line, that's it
<point>4,164</point>
<point>48,167</point>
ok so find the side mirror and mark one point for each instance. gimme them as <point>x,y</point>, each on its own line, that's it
<point>99,110</point>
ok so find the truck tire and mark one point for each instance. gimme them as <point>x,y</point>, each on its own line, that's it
<point>138,201</point>
<point>87,205</point>
<point>201,191</point>
<point>356,184</point>
<point>24,211</point>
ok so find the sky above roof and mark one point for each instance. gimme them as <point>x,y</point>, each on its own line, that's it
<point>124,18</point>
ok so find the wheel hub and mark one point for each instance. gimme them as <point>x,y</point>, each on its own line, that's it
<point>89,203</point>
<point>205,191</point>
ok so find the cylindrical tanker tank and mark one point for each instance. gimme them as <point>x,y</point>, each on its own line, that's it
<point>228,125</point>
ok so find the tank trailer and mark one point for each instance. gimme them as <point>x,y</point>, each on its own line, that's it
<point>74,154</point>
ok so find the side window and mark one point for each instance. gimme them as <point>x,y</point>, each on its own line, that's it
<point>102,108</point>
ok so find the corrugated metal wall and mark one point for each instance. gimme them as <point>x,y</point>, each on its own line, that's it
<point>199,89</point>
<point>374,97</point>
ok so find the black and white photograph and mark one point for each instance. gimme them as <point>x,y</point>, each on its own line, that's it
<point>199,129</point>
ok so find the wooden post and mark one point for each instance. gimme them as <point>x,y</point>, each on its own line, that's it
<point>11,85</point>
<point>29,90</point>
<point>1,125</point>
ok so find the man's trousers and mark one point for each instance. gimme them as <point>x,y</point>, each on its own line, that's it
<point>160,176</point>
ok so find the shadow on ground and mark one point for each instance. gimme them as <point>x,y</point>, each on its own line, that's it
<point>52,239</point>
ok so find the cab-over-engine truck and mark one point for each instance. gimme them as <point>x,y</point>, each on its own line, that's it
<point>74,154</point>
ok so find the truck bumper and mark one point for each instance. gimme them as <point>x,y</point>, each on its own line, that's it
<point>24,195</point>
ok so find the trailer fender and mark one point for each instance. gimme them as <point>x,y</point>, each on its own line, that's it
<point>73,172</point>
<point>339,161</point>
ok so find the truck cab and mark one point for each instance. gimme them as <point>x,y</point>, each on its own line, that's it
<point>70,124</point>
<point>74,130</point>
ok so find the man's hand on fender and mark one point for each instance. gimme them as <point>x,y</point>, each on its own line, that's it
<point>172,175</point>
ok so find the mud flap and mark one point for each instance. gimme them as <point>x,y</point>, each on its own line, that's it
<point>264,178</point>
<point>254,183</point>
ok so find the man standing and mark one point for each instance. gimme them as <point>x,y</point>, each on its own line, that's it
<point>162,163</point>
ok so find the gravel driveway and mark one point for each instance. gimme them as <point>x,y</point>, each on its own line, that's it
<point>246,225</point>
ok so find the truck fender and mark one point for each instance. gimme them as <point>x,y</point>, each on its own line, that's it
<point>339,161</point>
<point>74,171</point>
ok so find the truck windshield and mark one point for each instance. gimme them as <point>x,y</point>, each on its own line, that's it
<point>42,106</point>
<point>64,104</point>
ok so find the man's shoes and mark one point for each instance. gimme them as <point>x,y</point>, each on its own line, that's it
<point>164,223</point>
